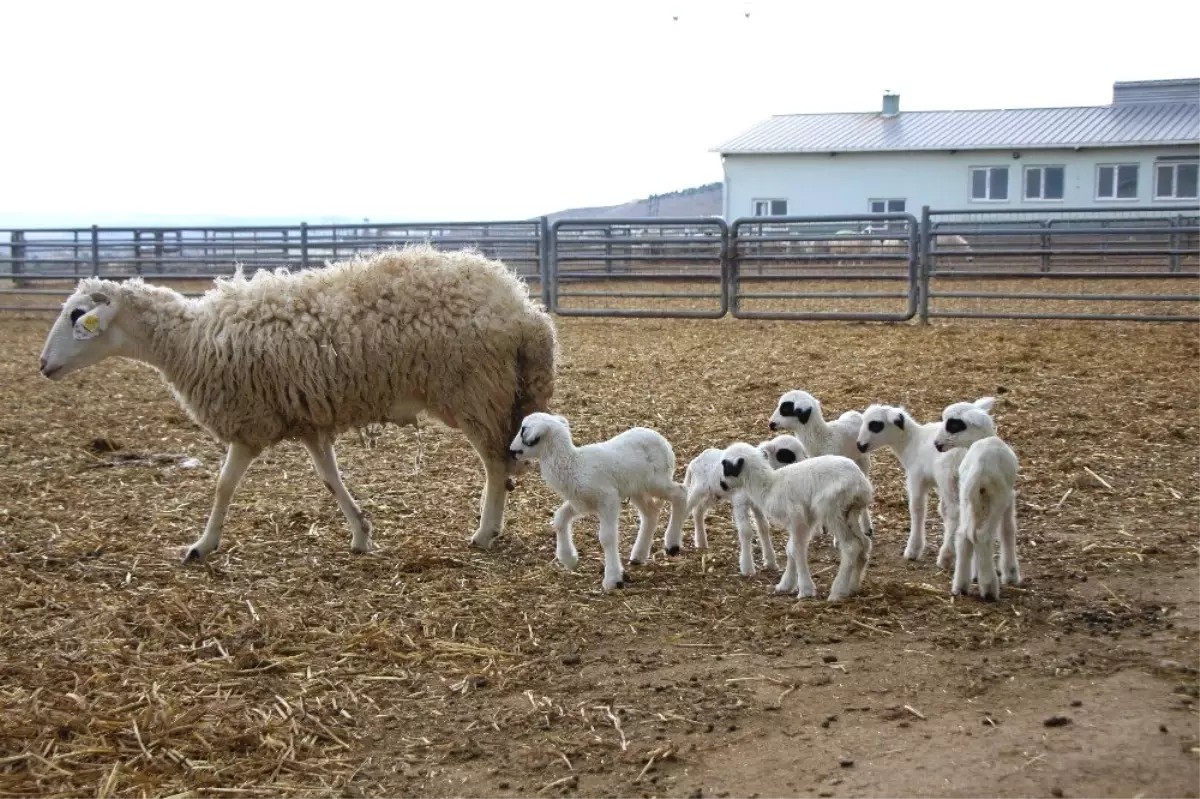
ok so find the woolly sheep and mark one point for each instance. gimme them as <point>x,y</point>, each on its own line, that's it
<point>309,354</point>
<point>705,485</point>
<point>638,465</point>
<point>885,426</point>
<point>987,480</point>
<point>800,413</point>
<point>825,491</point>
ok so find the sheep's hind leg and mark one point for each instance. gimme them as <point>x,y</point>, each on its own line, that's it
<point>1008,545</point>
<point>565,550</point>
<point>648,510</point>
<point>237,460</point>
<point>491,505</point>
<point>673,538</point>
<point>325,463</point>
<point>609,513</point>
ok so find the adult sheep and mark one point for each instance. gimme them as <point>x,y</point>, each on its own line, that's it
<point>310,354</point>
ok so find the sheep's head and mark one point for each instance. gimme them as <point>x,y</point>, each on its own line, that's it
<point>783,451</point>
<point>964,423</point>
<point>531,440</point>
<point>84,333</point>
<point>736,462</point>
<point>794,410</point>
<point>882,426</point>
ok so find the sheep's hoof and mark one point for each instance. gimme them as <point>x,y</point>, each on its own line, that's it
<point>483,540</point>
<point>636,562</point>
<point>510,484</point>
<point>673,551</point>
<point>194,554</point>
<point>362,549</point>
<point>784,589</point>
<point>911,554</point>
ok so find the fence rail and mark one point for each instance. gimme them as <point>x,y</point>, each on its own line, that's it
<point>1067,263</point>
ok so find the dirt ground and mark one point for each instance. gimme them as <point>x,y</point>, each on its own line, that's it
<point>287,666</point>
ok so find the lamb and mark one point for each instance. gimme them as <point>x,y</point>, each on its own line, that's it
<point>825,491</point>
<point>310,354</point>
<point>638,465</point>
<point>705,485</point>
<point>952,243</point>
<point>893,427</point>
<point>800,413</point>
<point>987,480</point>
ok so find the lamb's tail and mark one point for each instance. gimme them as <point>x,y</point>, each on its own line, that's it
<point>536,367</point>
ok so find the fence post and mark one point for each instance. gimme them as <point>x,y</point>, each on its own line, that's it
<point>1173,243</point>
<point>544,259</point>
<point>158,251</point>
<point>732,268</point>
<point>17,254</point>
<point>95,251</point>
<point>925,265</point>
<point>304,245</point>
<point>1045,245</point>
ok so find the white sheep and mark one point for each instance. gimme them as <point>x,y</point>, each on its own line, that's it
<point>800,413</point>
<point>638,465</point>
<point>925,468</point>
<point>987,480</point>
<point>310,354</point>
<point>826,491</point>
<point>705,485</point>
<point>952,243</point>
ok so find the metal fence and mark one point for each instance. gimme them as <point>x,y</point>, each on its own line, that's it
<point>1118,263</point>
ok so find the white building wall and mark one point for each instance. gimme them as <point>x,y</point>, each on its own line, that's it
<point>843,184</point>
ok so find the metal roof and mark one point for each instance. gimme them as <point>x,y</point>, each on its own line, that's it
<point>1027,128</point>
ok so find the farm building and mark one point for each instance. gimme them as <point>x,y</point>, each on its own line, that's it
<point>1140,150</point>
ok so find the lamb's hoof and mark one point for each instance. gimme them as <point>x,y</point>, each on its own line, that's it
<point>808,592</point>
<point>1012,578</point>
<point>362,549</point>
<point>945,561</point>
<point>569,563</point>
<point>957,590</point>
<point>673,551</point>
<point>912,554</point>
<point>636,561</point>
<point>194,554</point>
<point>483,540</point>
<point>781,588</point>
<point>510,484</point>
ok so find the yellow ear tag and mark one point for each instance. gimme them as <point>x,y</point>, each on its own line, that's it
<point>91,323</point>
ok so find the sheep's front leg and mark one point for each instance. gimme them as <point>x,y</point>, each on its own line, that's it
<point>609,513</point>
<point>648,511</point>
<point>564,519</point>
<point>855,550</point>
<point>325,463</point>
<point>697,505</point>
<point>237,460</point>
<point>948,508</point>
<point>741,521</point>
<point>797,576</point>
<point>918,496</point>
<point>491,504</point>
<point>1009,567</point>
<point>764,539</point>
<point>673,537</point>
<point>787,582</point>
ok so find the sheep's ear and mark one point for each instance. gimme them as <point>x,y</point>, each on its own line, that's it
<point>732,468</point>
<point>100,298</point>
<point>562,420</point>
<point>899,420</point>
<point>985,403</point>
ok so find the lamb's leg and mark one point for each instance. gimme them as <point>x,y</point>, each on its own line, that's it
<point>948,508</point>
<point>985,546</point>
<point>491,504</point>
<point>237,460</point>
<point>648,511</point>
<point>787,583</point>
<point>854,550</point>
<point>764,539</point>
<point>741,520</point>
<point>964,556</point>
<point>918,496</point>
<point>564,519</point>
<point>673,538</point>
<point>798,540</point>
<point>325,463</point>
<point>1008,544</point>
<point>697,506</point>
<point>609,513</point>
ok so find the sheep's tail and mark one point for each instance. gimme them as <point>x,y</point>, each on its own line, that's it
<point>536,367</point>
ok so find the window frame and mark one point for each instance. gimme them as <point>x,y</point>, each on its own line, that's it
<point>987,169</point>
<point>1174,165</point>
<point>1042,183</point>
<point>770,201</point>
<point>1116,168</point>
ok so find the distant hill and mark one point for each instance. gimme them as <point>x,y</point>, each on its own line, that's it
<point>699,201</point>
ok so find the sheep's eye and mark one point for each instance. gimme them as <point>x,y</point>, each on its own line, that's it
<point>875,427</point>
<point>787,409</point>
<point>530,442</point>
<point>75,314</point>
<point>955,426</point>
<point>724,486</point>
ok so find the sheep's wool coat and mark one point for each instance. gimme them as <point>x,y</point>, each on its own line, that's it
<point>369,340</point>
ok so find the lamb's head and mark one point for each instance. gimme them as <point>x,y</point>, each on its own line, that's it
<point>882,426</point>
<point>783,450</point>
<point>538,431</point>
<point>964,423</point>
<point>793,411</point>
<point>84,332</point>
<point>738,462</point>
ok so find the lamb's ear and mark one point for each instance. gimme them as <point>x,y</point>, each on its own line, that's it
<point>898,419</point>
<point>985,403</point>
<point>563,420</point>
<point>732,468</point>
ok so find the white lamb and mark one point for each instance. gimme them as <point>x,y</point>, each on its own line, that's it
<point>987,480</point>
<point>800,413</point>
<point>924,467</point>
<point>705,483</point>
<point>638,465</point>
<point>826,491</point>
<point>310,354</point>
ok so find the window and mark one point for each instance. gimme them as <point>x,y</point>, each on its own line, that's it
<point>1117,182</point>
<point>989,183</point>
<point>770,207</point>
<point>1044,182</point>
<point>887,206</point>
<point>1176,181</point>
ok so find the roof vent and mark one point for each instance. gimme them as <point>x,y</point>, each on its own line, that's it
<point>1178,90</point>
<point>891,104</point>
